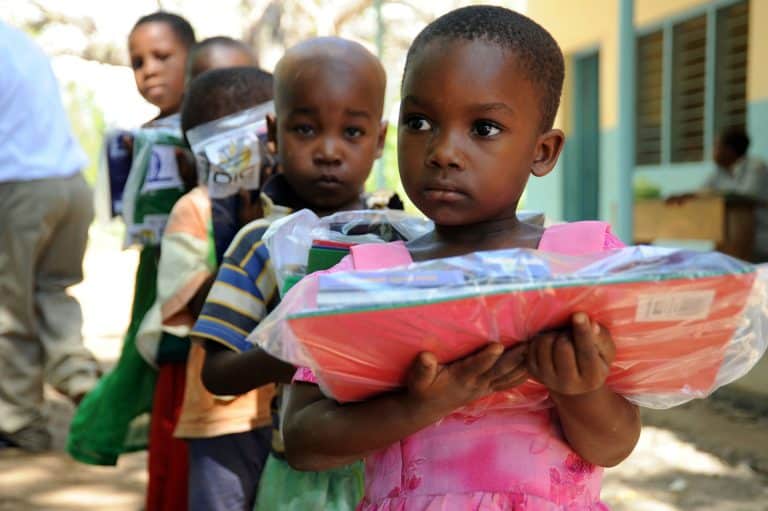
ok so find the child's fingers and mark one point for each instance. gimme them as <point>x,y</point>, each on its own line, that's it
<point>584,339</point>
<point>605,346</point>
<point>511,379</point>
<point>540,356</point>
<point>478,363</point>
<point>512,359</point>
<point>564,358</point>
<point>422,372</point>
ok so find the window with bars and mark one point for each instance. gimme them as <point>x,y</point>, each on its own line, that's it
<point>683,98</point>
<point>689,75</point>
<point>650,65</point>
<point>731,75</point>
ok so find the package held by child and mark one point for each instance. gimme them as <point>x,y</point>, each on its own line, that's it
<point>684,323</point>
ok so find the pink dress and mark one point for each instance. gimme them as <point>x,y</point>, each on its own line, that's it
<point>502,460</point>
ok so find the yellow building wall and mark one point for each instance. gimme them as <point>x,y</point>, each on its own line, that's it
<point>649,12</point>
<point>581,25</point>
<point>588,25</point>
<point>757,71</point>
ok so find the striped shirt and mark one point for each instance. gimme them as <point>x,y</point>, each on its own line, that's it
<point>245,289</point>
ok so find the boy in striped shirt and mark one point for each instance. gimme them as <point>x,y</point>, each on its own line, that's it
<point>329,98</point>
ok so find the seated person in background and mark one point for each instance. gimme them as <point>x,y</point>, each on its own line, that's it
<point>739,176</point>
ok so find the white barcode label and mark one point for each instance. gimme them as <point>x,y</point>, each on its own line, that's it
<point>691,305</point>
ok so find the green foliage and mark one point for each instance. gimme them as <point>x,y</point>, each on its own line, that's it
<point>645,189</point>
<point>88,125</point>
<point>385,171</point>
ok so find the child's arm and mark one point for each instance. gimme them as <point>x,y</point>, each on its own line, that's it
<point>236,303</point>
<point>195,304</point>
<point>600,425</point>
<point>229,373</point>
<point>320,434</point>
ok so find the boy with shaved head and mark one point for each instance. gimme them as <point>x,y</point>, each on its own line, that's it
<point>327,129</point>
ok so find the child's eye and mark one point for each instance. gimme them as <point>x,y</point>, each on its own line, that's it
<point>353,132</point>
<point>417,123</point>
<point>304,130</point>
<point>137,63</point>
<point>162,56</point>
<point>485,129</point>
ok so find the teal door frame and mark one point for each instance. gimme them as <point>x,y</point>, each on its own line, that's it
<point>581,180</point>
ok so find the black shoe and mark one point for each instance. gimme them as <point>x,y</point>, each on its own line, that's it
<point>34,438</point>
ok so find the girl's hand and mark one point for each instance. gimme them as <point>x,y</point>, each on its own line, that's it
<point>444,388</point>
<point>575,361</point>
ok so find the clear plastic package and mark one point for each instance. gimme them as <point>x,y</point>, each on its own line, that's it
<point>684,323</point>
<point>291,238</point>
<point>231,157</point>
<point>230,150</point>
<point>153,185</point>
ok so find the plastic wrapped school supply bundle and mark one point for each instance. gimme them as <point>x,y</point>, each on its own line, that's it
<point>117,158</point>
<point>231,154</point>
<point>154,184</point>
<point>684,323</point>
<point>302,243</point>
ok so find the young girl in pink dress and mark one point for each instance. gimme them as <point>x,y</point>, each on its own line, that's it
<point>480,91</point>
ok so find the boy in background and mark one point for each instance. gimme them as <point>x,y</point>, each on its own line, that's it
<point>329,98</point>
<point>227,437</point>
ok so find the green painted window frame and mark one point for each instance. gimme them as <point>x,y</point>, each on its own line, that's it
<point>666,27</point>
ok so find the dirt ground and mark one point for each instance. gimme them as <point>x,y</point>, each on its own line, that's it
<point>703,456</point>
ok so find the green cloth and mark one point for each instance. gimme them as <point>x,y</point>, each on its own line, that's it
<point>113,418</point>
<point>101,428</point>
<point>286,489</point>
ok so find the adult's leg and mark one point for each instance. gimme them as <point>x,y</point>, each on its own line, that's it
<point>28,209</point>
<point>224,471</point>
<point>69,366</point>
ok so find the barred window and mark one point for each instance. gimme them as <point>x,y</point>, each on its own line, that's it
<point>682,98</point>
<point>731,76</point>
<point>650,66</point>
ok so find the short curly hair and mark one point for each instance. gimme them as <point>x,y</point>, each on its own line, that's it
<point>736,138</point>
<point>538,54</point>
<point>180,26</point>
<point>221,92</point>
<point>196,64</point>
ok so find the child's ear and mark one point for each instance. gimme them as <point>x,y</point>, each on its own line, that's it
<point>548,149</point>
<point>272,130</point>
<point>382,138</point>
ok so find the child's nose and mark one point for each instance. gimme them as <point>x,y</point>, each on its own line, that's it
<point>152,66</point>
<point>328,152</point>
<point>443,152</point>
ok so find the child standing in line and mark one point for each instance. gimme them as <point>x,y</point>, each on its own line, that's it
<point>228,437</point>
<point>329,98</point>
<point>480,91</point>
<point>158,46</point>
<point>181,267</point>
<point>104,423</point>
<point>216,53</point>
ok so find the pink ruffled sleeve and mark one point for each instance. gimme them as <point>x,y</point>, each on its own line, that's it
<point>612,242</point>
<point>304,375</point>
